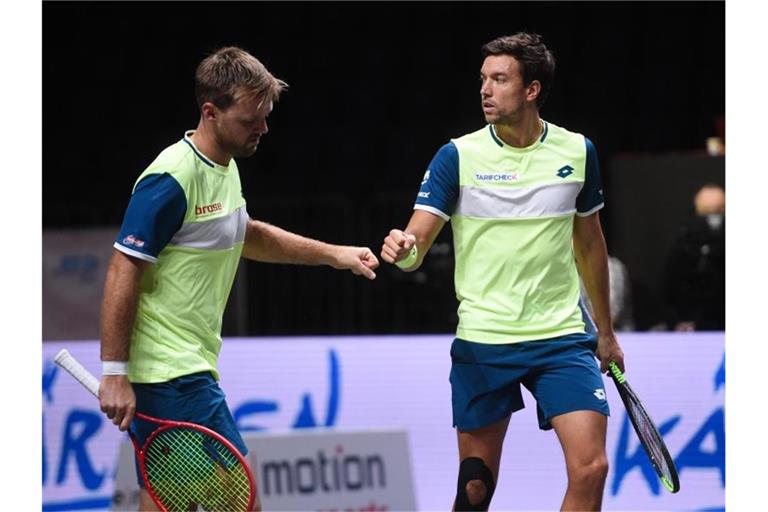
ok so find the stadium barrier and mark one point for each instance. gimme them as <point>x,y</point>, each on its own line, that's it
<point>369,386</point>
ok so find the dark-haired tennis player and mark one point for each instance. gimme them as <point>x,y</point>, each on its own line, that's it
<point>176,255</point>
<point>523,197</point>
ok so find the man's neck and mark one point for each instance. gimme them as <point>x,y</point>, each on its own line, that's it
<point>205,142</point>
<point>522,133</point>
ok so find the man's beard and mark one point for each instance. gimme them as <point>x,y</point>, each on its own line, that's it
<point>242,151</point>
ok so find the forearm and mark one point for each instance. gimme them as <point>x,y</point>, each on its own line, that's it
<point>424,241</point>
<point>270,244</point>
<point>118,308</point>
<point>592,263</point>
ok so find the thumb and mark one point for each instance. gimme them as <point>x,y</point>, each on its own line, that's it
<point>410,241</point>
<point>363,269</point>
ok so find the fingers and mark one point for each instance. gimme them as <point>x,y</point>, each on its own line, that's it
<point>366,272</point>
<point>370,260</point>
<point>605,361</point>
<point>127,418</point>
<point>619,360</point>
<point>365,264</point>
<point>120,416</point>
<point>388,254</point>
<point>360,260</point>
<point>392,245</point>
<point>397,245</point>
<point>117,400</point>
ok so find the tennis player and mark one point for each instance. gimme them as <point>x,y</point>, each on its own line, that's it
<point>523,197</point>
<point>177,252</point>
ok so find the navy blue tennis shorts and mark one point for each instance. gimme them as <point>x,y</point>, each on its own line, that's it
<point>196,398</point>
<point>561,373</point>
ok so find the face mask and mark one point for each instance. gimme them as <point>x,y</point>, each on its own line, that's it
<point>715,221</point>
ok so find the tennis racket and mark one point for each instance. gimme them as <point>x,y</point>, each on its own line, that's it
<point>646,431</point>
<point>183,464</point>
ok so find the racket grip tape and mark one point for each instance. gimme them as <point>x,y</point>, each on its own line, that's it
<point>620,378</point>
<point>78,371</point>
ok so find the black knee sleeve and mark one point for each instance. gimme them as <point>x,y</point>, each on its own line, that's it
<point>473,468</point>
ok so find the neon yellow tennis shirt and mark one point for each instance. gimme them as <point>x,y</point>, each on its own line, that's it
<point>187,215</point>
<point>512,212</point>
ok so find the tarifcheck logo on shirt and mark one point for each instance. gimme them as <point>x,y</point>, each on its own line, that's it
<point>497,176</point>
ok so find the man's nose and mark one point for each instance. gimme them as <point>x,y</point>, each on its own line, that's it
<point>485,89</point>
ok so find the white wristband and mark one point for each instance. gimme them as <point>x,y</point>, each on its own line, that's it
<point>114,367</point>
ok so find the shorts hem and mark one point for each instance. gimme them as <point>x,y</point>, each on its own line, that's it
<point>469,426</point>
<point>548,425</point>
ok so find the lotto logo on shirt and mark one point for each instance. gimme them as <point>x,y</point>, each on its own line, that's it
<point>208,208</point>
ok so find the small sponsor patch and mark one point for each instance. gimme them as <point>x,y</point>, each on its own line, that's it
<point>132,240</point>
<point>208,208</point>
<point>497,176</point>
<point>600,394</point>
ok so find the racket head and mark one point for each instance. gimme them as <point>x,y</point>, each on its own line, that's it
<point>183,463</point>
<point>649,436</point>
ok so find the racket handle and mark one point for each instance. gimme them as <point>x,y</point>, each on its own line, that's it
<point>78,371</point>
<point>616,372</point>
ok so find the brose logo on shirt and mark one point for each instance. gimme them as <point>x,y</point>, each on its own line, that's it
<point>208,208</point>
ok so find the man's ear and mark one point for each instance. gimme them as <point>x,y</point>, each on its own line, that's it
<point>208,111</point>
<point>534,89</point>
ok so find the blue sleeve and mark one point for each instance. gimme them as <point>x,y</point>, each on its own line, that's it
<point>440,186</point>
<point>590,198</point>
<point>154,214</point>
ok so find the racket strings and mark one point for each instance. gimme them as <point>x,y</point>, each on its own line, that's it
<point>651,440</point>
<point>185,467</point>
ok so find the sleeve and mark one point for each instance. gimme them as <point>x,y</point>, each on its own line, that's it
<point>154,214</point>
<point>440,186</point>
<point>590,198</point>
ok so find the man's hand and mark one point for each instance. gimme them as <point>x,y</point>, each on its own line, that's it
<point>360,260</point>
<point>608,350</point>
<point>397,246</point>
<point>117,400</point>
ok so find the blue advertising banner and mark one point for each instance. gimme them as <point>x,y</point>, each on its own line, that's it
<point>401,382</point>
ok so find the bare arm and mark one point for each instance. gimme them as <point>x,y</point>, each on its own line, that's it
<point>118,313</point>
<point>592,262</point>
<point>267,243</point>
<point>422,230</point>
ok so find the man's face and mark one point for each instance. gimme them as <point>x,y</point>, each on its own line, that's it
<point>239,127</point>
<point>502,92</point>
<point>710,200</point>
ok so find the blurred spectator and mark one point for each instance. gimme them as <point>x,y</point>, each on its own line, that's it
<point>621,295</point>
<point>694,277</point>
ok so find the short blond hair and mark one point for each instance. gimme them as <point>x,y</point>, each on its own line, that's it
<point>231,72</point>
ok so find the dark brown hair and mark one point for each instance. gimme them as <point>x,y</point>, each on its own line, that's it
<point>230,71</point>
<point>536,62</point>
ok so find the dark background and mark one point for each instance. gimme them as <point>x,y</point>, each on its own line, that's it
<point>375,90</point>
